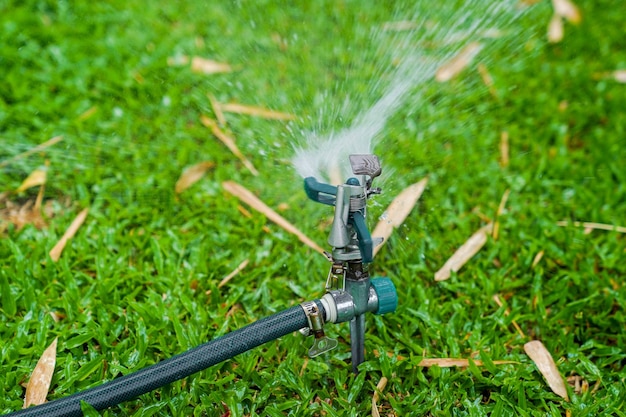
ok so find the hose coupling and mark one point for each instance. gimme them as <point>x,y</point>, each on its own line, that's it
<point>339,306</point>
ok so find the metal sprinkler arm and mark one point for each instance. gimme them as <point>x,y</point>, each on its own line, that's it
<point>350,291</point>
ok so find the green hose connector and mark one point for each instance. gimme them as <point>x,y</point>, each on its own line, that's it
<point>387,295</point>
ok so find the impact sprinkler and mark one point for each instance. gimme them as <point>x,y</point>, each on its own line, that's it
<point>350,293</point>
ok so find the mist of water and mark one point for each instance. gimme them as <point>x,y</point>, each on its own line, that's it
<point>404,59</point>
<point>434,36</point>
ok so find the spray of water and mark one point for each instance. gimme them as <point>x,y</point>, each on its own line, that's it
<point>80,156</point>
<point>404,56</point>
<point>413,51</point>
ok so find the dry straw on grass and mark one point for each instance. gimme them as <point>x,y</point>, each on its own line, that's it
<point>379,389</point>
<point>546,366</point>
<point>229,142</point>
<point>36,178</point>
<point>208,66</point>
<point>255,111</point>
<point>457,362</point>
<point>253,201</point>
<point>593,226</point>
<point>191,175</point>
<point>398,211</point>
<point>39,383</point>
<point>458,63</point>
<point>563,10</point>
<point>232,275</point>
<point>496,298</point>
<point>57,250</point>
<point>464,253</point>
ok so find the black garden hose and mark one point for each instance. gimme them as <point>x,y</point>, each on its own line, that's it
<point>180,366</point>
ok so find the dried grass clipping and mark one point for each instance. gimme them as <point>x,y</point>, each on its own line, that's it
<point>567,10</point>
<point>21,215</point>
<point>57,250</point>
<point>39,383</point>
<point>537,259</point>
<point>192,175</point>
<point>496,298</point>
<point>398,211</point>
<point>199,65</point>
<point>563,10</point>
<point>544,362</point>
<point>232,275</point>
<point>35,179</point>
<point>379,389</point>
<point>229,142</point>
<point>458,63</point>
<point>620,76</point>
<point>208,66</point>
<point>87,114</point>
<point>487,79</point>
<point>456,362</point>
<point>253,201</point>
<point>255,111</point>
<point>501,206</point>
<point>504,148</point>
<point>29,212</point>
<point>217,110</point>
<point>594,226</point>
<point>617,75</point>
<point>464,253</point>
<point>556,32</point>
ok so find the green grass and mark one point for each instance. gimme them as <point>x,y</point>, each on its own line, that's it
<point>130,286</point>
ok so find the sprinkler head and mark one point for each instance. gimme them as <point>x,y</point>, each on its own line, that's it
<point>349,235</point>
<point>350,292</point>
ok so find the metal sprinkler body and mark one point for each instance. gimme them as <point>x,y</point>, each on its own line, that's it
<point>350,293</point>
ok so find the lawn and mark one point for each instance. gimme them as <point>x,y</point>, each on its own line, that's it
<point>541,122</point>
